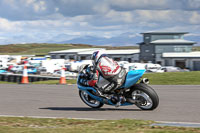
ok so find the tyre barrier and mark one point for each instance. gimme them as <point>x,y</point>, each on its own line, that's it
<point>18,77</point>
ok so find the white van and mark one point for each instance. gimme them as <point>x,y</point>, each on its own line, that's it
<point>150,67</point>
<point>134,66</point>
<point>75,65</point>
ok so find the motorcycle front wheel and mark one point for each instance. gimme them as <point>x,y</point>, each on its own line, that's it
<point>144,96</point>
<point>89,100</point>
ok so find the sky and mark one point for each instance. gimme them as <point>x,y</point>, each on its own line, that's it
<point>39,21</point>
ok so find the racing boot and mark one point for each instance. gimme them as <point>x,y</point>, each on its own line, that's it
<point>121,100</point>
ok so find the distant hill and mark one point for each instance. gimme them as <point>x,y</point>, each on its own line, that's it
<point>44,48</point>
<point>194,38</point>
<point>125,39</point>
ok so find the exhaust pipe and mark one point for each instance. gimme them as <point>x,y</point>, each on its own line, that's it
<point>145,81</point>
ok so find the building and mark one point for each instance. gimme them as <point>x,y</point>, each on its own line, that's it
<point>131,55</point>
<point>190,60</point>
<point>169,49</point>
<point>157,43</point>
<point>165,48</point>
<point>71,54</point>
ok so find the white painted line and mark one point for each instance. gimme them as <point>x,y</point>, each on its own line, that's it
<point>86,119</point>
<point>176,124</point>
<point>30,116</point>
<point>50,117</point>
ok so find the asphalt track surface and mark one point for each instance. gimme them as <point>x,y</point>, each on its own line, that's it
<point>178,103</point>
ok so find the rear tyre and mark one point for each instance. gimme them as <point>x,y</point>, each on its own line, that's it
<point>89,100</point>
<point>145,96</point>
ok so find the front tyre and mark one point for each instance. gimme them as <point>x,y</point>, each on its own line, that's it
<point>144,96</point>
<point>89,100</point>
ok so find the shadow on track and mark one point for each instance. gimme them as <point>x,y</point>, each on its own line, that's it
<point>87,109</point>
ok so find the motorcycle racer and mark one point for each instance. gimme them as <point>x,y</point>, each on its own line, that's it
<point>105,82</point>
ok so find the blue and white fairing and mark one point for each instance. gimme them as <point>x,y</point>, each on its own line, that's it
<point>131,78</point>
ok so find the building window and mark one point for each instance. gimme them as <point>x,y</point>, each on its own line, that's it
<point>180,63</point>
<point>176,37</point>
<point>62,56</point>
<point>182,48</point>
<point>129,60</point>
<point>117,59</point>
<point>53,56</point>
<point>159,62</point>
<point>71,57</point>
<point>161,37</point>
<point>83,58</point>
<point>172,48</point>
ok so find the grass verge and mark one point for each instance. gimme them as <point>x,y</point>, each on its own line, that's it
<point>174,78</point>
<point>71,81</point>
<point>168,78</point>
<point>47,125</point>
<point>4,82</point>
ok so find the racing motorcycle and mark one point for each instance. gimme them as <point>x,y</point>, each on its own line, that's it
<point>134,91</point>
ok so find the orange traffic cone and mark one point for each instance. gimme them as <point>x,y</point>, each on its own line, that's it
<point>62,76</point>
<point>25,76</point>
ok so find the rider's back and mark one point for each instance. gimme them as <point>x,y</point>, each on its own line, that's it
<point>111,72</point>
<point>108,67</point>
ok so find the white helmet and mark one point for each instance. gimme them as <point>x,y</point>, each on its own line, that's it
<point>97,54</point>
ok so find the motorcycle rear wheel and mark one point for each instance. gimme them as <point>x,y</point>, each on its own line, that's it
<point>89,100</point>
<point>145,96</point>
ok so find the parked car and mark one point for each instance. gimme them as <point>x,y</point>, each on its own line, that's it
<point>173,69</point>
<point>134,66</point>
<point>17,68</point>
<point>20,68</point>
<point>31,69</point>
<point>160,70</point>
<point>75,65</point>
<point>3,71</point>
<point>67,74</point>
<point>41,70</point>
<point>150,67</point>
<point>121,63</point>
